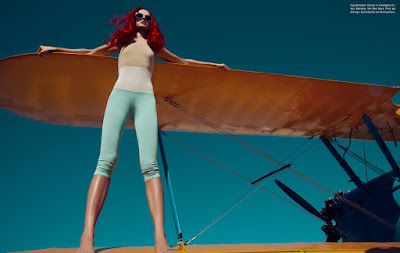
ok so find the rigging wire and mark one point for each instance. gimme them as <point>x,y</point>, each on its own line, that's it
<point>278,162</point>
<point>279,168</point>
<point>370,165</point>
<point>351,130</point>
<point>304,143</point>
<point>305,150</point>
<point>392,133</point>
<point>243,196</point>
<point>173,103</point>
<point>222,166</point>
<point>249,146</point>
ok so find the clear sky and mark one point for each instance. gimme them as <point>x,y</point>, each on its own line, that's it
<point>46,169</point>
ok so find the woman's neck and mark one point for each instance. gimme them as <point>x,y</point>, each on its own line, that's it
<point>141,34</point>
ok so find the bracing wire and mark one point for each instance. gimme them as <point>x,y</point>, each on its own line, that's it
<point>369,164</point>
<point>244,196</point>
<point>173,103</point>
<point>351,130</point>
<point>304,151</point>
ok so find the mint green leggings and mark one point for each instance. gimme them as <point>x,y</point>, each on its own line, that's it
<point>123,105</point>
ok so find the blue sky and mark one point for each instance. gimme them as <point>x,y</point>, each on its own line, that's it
<point>46,169</point>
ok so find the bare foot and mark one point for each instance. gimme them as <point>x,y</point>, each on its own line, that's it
<point>162,244</point>
<point>87,242</point>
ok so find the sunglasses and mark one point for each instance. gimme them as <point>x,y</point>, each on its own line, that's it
<point>140,15</point>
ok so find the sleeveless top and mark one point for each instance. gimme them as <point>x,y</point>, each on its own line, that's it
<point>135,67</point>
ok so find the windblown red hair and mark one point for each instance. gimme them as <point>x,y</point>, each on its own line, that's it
<point>122,35</point>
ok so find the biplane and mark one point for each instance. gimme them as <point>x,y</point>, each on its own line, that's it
<point>366,218</point>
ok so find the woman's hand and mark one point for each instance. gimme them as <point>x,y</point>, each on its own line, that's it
<point>222,66</point>
<point>46,49</point>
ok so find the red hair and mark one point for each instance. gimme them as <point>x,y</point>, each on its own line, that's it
<point>122,35</point>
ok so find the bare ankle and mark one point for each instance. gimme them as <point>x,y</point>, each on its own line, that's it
<point>88,234</point>
<point>160,234</point>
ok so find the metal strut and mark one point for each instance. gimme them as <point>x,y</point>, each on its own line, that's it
<point>344,164</point>
<point>381,144</point>
<point>169,186</point>
<point>272,173</point>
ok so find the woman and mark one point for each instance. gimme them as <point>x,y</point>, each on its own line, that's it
<point>139,42</point>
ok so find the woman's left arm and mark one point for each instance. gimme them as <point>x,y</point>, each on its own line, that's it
<point>170,57</point>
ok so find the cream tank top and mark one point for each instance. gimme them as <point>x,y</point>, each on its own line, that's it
<point>135,67</point>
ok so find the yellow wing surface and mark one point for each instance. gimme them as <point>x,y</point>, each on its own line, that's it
<point>371,247</point>
<point>71,89</point>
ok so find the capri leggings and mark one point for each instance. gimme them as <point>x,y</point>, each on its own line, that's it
<point>131,98</point>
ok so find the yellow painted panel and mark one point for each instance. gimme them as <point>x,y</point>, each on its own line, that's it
<point>371,247</point>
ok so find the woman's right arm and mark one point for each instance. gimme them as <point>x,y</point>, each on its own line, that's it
<point>102,50</point>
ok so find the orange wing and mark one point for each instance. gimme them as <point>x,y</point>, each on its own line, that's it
<point>71,89</point>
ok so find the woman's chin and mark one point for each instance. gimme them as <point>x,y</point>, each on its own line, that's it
<point>142,28</point>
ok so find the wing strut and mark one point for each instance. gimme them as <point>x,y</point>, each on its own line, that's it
<point>170,192</point>
<point>381,144</point>
<point>271,173</point>
<point>344,164</point>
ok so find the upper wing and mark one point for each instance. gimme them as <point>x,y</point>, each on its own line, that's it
<point>240,102</point>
